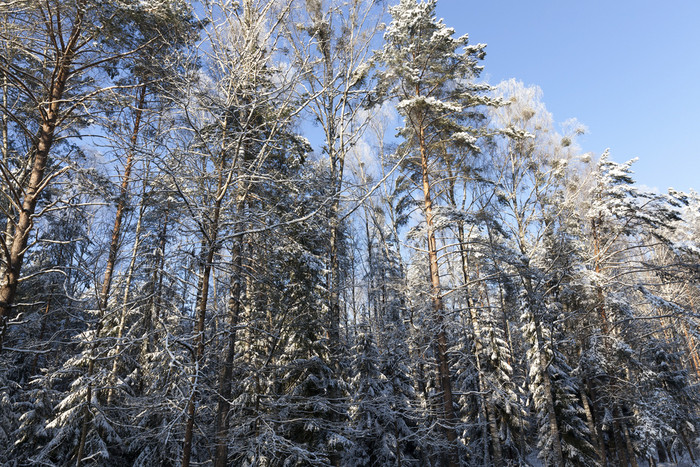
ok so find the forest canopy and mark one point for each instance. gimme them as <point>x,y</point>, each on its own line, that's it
<point>292,233</point>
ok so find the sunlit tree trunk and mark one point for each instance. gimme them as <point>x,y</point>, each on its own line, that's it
<point>125,301</point>
<point>210,245</point>
<point>43,141</point>
<point>122,203</point>
<point>443,364</point>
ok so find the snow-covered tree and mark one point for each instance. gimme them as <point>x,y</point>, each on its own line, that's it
<point>431,74</point>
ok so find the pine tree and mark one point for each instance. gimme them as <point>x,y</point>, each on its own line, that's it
<point>433,82</point>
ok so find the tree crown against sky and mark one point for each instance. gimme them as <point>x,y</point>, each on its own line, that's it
<point>216,247</point>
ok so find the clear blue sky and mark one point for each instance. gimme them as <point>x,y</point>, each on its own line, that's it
<point>628,70</point>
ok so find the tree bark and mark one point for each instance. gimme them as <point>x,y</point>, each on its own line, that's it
<point>154,301</point>
<point>485,413</point>
<point>199,343</point>
<point>620,448</point>
<point>125,304</point>
<point>234,311</point>
<point>209,246</point>
<point>628,441</point>
<point>121,205</point>
<point>107,282</point>
<point>443,364</point>
<point>50,117</point>
<point>595,436</point>
<point>549,402</point>
<point>687,443</point>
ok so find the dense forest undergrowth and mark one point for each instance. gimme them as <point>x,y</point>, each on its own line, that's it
<point>217,248</point>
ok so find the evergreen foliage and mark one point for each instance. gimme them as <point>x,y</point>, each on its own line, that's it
<point>211,252</point>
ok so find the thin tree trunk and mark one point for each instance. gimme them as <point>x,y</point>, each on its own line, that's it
<point>490,408</point>
<point>485,414</point>
<point>121,205</point>
<point>549,401</point>
<point>337,162</point>
<point>688,445</point>
<point>234,310</point>
<point>125,304</point>
<point>42,331</point>
<point>628,441</point>
<point>334,281</point>
<point>86,415</point>
<point>199,344</point>
<point>547,383</point>
<point>596,437</point>
<point>371,292</point>
<point>209,242</point>
<point>104,295</point>
<point>620,448</point>
<point>690,340</point>
<point>5,121</point>
<point>7,234</point>
<point>397,435</point>
<point>154,301</point>
<point>692,350</point>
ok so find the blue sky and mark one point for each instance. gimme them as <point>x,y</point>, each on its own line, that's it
<point>628,70</point>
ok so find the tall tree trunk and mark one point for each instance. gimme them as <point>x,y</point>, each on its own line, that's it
<point>334,279</point>
<point>688,445</point>
<point>490,406</point>
<point>121,205</point>
<point>371,292</point>
<point>620,448</point>
<point>485,414</point>
<point>154,300</point>
<point>692,349</point>
<point>543,364</point>
<point>443,364</point>
<point>549,400</point>
<point>690,340</point>
<point>42,332</point>
<point>125,302</point>
<point>84,428</point>
<point>627,439</point>
<point>50,117</point>
<point>234,311</point>
<point>210,245</point>
<point>104,295</point>
<point>595,436</point>
<point>337,161</point>
<point>5,121</point>
<point>203,294</point>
